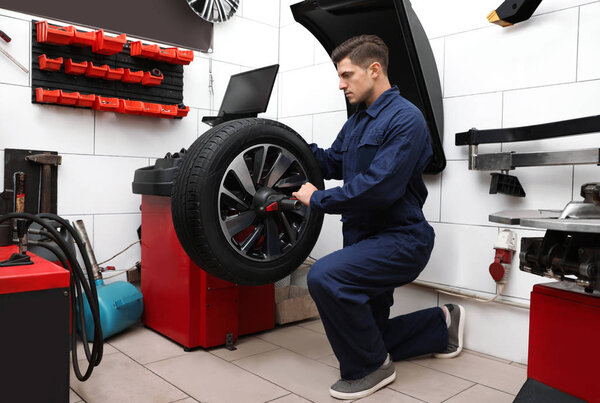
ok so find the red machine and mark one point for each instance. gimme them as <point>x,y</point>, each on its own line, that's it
<point>34,335</point>
<point>183,302</point>
<point>564,331</point>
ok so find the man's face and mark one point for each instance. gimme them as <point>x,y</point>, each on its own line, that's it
<point>356,82</point>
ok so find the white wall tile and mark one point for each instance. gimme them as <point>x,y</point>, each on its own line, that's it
<point>196,91</point>
<point>584,174</point>
<point>296,47</point>
<point>245,42</point>
<point>442,17</point>
<point>519,283</point>
<point>286,13</point>
<point>265,11</point>
<point>550,104</point>
<point>97,185</point>
<point>431,208</point>
<point>466,198</point>
<point>144,136</point>
<point>321,55</point>
<point>588,64</point>
<point>548,6</point>
<point>19,48</point>
<point>463,113</point>
<point>525,55</point>
<point>410,298</point>
<point>302,125</point>
<point>310,90</point>
<point>326,127</point>
<point>4,185</point>
<point>461,257</point>
<point>222,72</point>
<point>112,234</point>
<point>498,330</point>
<point>330,239</point>
<point>43,127</point>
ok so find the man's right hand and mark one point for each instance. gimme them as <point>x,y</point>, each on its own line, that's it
<point>304,193</point>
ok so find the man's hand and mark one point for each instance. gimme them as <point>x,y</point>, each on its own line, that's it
<point>304,193</point>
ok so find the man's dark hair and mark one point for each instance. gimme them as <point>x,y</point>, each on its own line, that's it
<point>362,51</point>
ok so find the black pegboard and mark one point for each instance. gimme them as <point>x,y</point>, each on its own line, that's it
<point>169,92</point>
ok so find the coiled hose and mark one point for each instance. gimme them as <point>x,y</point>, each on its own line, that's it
<point>79,285</point>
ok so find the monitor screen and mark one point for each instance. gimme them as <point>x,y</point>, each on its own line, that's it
<point>249,92</point>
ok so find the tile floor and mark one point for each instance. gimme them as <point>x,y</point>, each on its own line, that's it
<point>290,364</point>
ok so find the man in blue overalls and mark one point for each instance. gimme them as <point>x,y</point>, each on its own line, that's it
<point>380,153</point>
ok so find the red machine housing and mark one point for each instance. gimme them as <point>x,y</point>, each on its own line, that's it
<point>34,331</point>
<point>564,330</point>
<point>182,301</point>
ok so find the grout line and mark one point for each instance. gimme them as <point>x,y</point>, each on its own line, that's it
<point>488,26</point>
<point>464,390</point>
<point>577,47</point>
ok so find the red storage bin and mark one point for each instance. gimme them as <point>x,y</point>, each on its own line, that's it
<point>151,109</point>
<point>167,54</point>
<point>47,96</point>
<point>75,68</point>
<point>96,71</point>
<point>50,64</point>
<point>107,45</point>
<point>184,56</point>
<point>130,107</point>
<point>86,101</point>
<point>151,80</point>
<point>182,112</point>
<point>68,98</point>
<point>114,74</point>
<point>168,111</point>
<point>83,38</point>
<point>53,34</point>
<point>132,77</point>
<point>106,104</point>
<point>138,49</point>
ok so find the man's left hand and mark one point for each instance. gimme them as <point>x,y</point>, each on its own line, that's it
<point>304,193</point>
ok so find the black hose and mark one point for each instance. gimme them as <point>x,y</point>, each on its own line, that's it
<point>78,281</point>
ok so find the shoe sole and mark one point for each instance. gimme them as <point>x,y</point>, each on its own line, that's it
<point>363,393</point>
<point>461,327</point>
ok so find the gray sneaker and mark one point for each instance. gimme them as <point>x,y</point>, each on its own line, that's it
<point>359,388</point>
<point>455,332</point>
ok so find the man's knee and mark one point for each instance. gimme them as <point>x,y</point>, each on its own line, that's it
<point>319,276</point>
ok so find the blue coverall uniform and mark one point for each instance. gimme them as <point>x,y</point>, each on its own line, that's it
<point>380,153</point>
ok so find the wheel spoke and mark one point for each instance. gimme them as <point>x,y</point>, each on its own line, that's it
<point>272,237</point>
<point>237,223</point>
<point>281,164</point>
<point>296,180</point>
<point>259,164</point>
<point>252,238</point>
<point>236,199</point>
<point>239,168</point>
<point>292,234</point>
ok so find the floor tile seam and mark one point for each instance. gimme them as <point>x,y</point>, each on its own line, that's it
<point>303,355</point>
<point>257,375</point>
<point>328,365</point>
<point>151,371</point>
<point>405,394</point>
<point>465,379</point>
<point>390,386</point>
<point>248,356</point>
<point>314,331</point>
<point>291,393</point>
<point>462,391</point>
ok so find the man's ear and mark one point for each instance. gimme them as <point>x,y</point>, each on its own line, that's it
<point>374,70</point>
